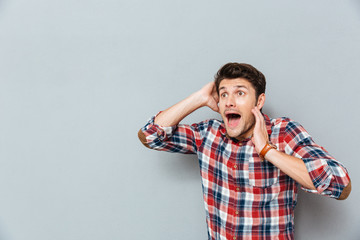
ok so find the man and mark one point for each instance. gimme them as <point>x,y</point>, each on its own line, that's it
<point>250,164</point>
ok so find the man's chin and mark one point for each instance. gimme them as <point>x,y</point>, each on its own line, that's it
<point>236,133</point>
<point>232,133</point>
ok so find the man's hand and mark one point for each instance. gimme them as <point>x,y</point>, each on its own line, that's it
<point>260,134</point>
<point>210,96</point>
<point>206,96</point>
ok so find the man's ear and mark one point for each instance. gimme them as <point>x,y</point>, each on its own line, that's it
<point>260,101</point>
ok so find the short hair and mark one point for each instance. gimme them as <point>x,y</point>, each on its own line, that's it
<point>242,70</point>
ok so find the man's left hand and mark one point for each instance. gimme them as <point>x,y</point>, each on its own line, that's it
<point>260,135</point>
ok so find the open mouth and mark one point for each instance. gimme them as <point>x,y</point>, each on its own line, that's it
<point>233,119</point>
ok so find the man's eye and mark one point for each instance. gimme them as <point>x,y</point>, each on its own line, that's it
<point>241,93</point>
<point>224,95</point>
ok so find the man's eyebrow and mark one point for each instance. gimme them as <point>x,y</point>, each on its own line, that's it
<point>240,86</point>
<point>237,86</point>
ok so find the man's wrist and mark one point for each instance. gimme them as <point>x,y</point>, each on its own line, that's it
<point>268,146</point>
<point>198,99</point>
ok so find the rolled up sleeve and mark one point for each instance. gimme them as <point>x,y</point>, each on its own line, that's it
<point>328,175</point>
<point>181,138</point>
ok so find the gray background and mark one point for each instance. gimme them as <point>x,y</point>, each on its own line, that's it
<point>79,78</point>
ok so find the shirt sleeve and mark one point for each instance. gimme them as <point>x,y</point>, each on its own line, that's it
<point>181,138</point>
<point>328,175</point>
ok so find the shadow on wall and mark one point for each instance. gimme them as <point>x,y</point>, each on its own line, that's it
<point>312,216</point>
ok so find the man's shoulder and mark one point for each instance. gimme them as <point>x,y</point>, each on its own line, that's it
<point>208,124</point>
<point>280,120</point>
<point>284,123</point>
<point>287,127</point>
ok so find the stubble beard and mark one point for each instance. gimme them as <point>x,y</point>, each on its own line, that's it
<point>248,128</point>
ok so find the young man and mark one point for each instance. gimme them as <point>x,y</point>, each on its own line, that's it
<point>250,164</point>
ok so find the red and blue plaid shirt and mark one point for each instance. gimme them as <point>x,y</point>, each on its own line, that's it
<point>244,197</point>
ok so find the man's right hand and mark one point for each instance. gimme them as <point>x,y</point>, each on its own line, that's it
<point>210,96</point>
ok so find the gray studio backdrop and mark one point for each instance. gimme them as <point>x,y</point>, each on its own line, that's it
<point>79,78</point>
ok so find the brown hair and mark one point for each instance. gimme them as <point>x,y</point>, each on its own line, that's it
<point>242,70</point>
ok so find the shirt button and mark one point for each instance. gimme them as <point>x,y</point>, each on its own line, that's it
<point>235,166</point>
<point>234,238</point>
<point>237,212</point>
<point>237,189</point>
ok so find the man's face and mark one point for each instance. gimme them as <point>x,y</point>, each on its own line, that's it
<point>236,99</point>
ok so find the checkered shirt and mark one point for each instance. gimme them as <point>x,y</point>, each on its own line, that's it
<point>244,197</point>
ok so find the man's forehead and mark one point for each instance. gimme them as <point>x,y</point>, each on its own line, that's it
<point>235,83</point>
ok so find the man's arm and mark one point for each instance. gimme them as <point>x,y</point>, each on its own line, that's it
<point>172,116</point>
<point>158,132</point>
<point>296,169</point>
<point>292,166</point>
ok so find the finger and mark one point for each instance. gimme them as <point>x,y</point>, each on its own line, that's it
<point>209,87</point>
<point>215,108</point>
<point>257,120</point>
<point>261,117</point>
<point>216,97</point>
<point>213,87</point>
<point>215,94</point>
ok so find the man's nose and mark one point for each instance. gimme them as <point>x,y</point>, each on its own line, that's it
<point>230,102</point>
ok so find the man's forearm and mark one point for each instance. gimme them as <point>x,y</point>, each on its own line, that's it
<point>291,166</point>
<point>295,168</point>
<point>173,115</point>
<point>206,96</point>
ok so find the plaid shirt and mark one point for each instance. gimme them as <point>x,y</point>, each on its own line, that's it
<point>244,197</point>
